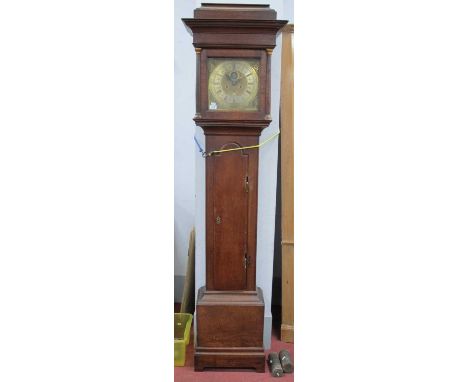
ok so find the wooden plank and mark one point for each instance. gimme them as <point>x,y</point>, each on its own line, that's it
<point>188,296</point>
<point>287,184</point>
<point>287,309</point>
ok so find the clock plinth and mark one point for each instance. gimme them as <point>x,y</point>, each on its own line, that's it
<point>230,330</point>
<point>233,45</point>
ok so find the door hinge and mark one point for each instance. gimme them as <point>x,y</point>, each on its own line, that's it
<point>246,261</point>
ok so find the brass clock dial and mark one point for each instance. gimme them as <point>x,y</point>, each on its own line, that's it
<point>233,84</point>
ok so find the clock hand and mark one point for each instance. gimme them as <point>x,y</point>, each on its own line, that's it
<point>230,79</point>
<point>233,78</point>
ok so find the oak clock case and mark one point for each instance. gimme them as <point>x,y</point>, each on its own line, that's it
<point>233,45</point>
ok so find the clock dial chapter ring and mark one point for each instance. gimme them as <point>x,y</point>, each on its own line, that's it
<point>233,84</point>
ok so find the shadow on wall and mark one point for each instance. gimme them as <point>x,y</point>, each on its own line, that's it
<point>276,287</point>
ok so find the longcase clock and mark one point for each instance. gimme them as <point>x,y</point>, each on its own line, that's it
<point>233,45</point>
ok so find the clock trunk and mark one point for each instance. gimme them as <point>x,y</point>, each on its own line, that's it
<point>231,212</point>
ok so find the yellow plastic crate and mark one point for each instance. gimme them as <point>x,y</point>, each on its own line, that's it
<point>182,324</point>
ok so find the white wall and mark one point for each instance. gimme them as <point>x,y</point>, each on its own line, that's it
<point>185,128</point>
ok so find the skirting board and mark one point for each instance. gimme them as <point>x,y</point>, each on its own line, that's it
<point>267,322</point>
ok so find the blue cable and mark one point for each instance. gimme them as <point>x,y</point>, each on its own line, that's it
<point>199,147</point>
